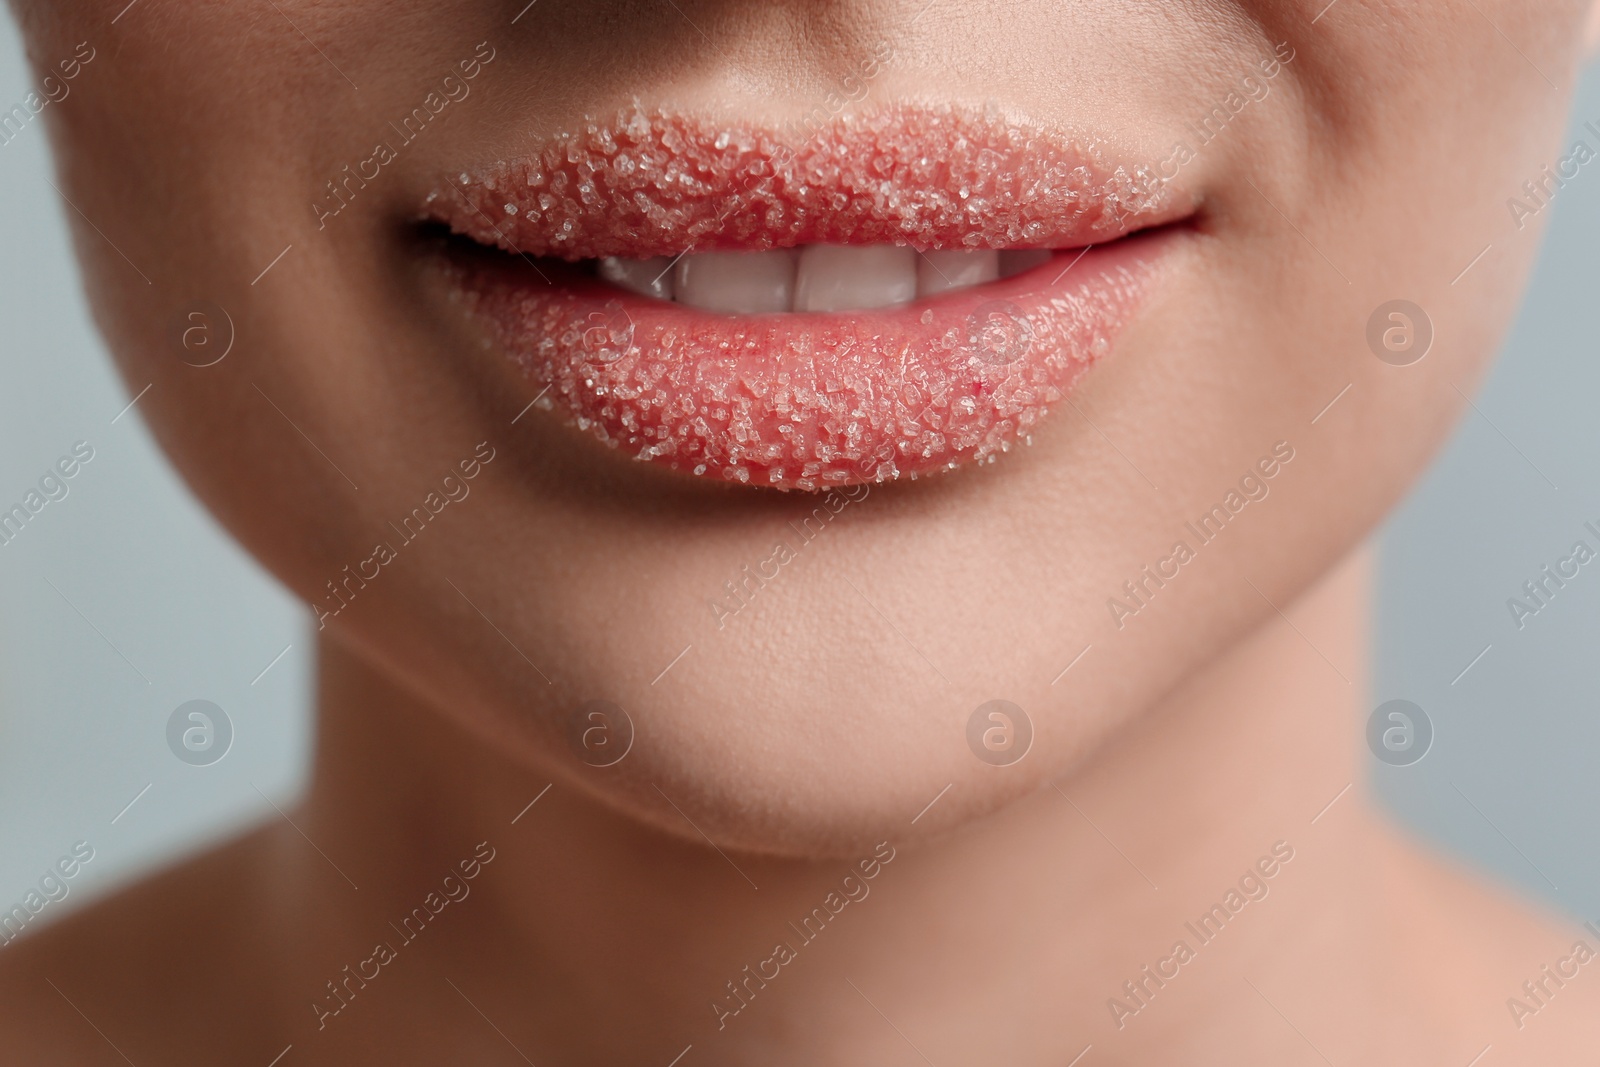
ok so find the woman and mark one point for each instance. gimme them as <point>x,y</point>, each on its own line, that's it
<point>833,529</point>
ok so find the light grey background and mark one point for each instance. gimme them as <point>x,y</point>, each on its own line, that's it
<point>1511,782</point>
<point>151,605</point>
<point>124,600</point>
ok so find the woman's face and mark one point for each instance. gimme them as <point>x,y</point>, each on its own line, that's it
<point>425,236</point>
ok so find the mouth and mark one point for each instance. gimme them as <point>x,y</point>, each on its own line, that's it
<point>871,297</point>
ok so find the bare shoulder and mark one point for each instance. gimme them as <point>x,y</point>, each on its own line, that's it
<point>148,970</point>
<point>1500,969</point>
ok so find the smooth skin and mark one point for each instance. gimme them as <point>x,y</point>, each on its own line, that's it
<point>813,729</point>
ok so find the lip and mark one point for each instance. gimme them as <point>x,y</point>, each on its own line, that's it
<point>807,400</point>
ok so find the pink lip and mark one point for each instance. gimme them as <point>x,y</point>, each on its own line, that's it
<point>808,400</point>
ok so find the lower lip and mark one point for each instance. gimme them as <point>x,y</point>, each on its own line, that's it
<point>813,400</point>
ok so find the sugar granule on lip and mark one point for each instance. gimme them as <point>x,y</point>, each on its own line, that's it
<point>801,401</point>
<point>650,183</point>
<point>806,400</point>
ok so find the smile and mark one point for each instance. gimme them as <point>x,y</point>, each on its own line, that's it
<point>892,295</point>
<point>814,278</point>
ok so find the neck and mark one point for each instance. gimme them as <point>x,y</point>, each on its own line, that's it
<point>1128,906</point>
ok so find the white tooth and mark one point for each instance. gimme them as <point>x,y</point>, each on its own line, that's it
<point>835,278</point>
<point>946,269</point>
<point>739,283</point>
<point>1017,260</point>
<point>648,276</point>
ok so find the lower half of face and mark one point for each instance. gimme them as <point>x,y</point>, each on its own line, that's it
<point>761,406</point>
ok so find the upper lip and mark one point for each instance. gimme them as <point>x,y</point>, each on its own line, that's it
<point>658,183</point>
